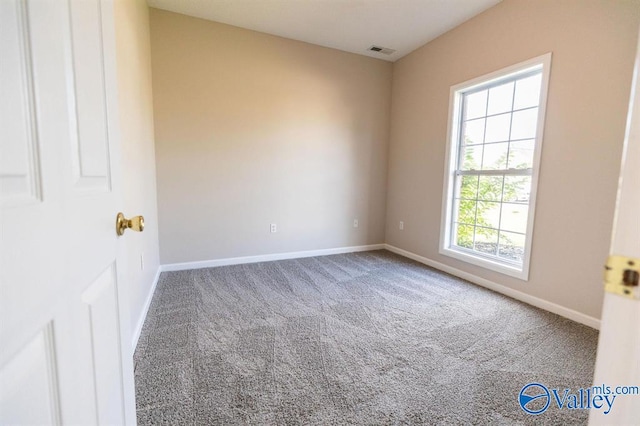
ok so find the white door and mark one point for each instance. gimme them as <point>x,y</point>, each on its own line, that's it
<point>618,361</point>
<point>64,352</point>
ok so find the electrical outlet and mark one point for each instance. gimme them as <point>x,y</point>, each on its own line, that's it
<point>274,228</point>
<point>142,261</point>
<point>401,226</point>
<point>355,223</point>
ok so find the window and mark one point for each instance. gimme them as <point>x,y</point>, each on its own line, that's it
<point>495,137</point>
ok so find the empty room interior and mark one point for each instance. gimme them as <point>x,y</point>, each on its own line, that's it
<point>354,212</point>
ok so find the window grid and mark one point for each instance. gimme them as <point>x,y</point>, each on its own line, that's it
<point>513,100</point>
<point>507,171</point>
<point>480,117</point>
<point>489,228</point>
<point>503,141</point>
<point>501,81</point>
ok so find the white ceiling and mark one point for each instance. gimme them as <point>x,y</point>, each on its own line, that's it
<point>349,25</point>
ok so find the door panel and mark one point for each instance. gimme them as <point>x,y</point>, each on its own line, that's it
<point>61,303</point>
<point>88,102</point>
<point>32,371</point>
<point>618,360</point>
<point>18,153</point>
<point>101,299</point>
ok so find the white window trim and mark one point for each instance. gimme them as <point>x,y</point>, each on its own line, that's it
<point>455,98</point>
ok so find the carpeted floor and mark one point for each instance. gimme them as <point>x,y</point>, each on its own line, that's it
<point>362,338</point>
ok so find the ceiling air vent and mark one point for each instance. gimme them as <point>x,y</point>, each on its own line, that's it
<point>383,50</point>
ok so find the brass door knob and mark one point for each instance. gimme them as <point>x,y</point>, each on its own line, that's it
<point>122,223</point>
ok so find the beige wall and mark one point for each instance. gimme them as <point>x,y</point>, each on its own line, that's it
<point>253,129</point>
<point>138,157</point>
<point>593,50</point>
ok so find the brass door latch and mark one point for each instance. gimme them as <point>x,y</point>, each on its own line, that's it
<point>622,276</point>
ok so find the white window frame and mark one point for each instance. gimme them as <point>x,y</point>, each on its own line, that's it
<point>451,164</point>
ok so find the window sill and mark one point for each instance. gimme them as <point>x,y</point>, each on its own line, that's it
<point>502,268</point>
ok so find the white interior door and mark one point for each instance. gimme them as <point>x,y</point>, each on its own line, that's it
<point>64,354</point>
<point>618,361</point>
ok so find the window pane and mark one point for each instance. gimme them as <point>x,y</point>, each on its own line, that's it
<point>521,154</point>
<point>488,214</point>
<point>511,246</point>
<point>471,157</point>
<point>493,174</point>
<point>468,187</point>
<point>490,188</point>
<point>500,98</point>
<point>514,217</point>
<point>516,189</point>
<point>475,105</point>
<point>486,241</point>
<point>527,92</point>
<point>474,131</point>
<point>495,156</point>
<point>498,128</point>
<point>463,236</point>
<point>524,124</point>
<point>466,211</point>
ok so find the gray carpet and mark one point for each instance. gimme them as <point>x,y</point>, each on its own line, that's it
<point>361,338</point>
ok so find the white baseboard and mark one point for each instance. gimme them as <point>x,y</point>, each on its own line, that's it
<point>507,291</point>
<point>145,309</point>
<point>266,257</point>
